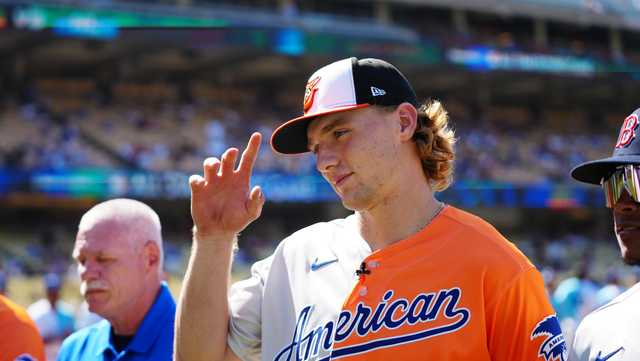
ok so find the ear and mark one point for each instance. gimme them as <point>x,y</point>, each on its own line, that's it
<point>408,120</point>
<point>151,255</point>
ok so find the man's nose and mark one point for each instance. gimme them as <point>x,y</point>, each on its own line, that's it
<point>626,204</point>
<point>326,159</point>
<point>88,270</point>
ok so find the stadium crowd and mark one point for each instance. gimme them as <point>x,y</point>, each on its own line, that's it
<point>148,127</point>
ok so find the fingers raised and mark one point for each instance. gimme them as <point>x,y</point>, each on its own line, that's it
<point>211,166</point>
<point>196,182</point>
<point>250,154</point>
<point>228,161</point>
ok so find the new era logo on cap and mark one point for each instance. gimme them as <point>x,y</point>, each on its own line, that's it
<point>340,86</point>
<point>376,92</point>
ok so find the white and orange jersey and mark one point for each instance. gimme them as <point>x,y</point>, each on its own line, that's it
<point>456,290</point>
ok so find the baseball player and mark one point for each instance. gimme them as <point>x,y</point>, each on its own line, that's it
<point>611,332</point>
<point>405,277</point>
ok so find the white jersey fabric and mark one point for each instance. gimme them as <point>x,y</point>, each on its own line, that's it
<point>310,274</point>
<point>611,332</point>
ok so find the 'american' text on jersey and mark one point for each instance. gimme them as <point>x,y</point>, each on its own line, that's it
<point>389,314</point>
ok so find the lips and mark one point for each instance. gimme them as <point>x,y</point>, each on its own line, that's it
<point>94,293</point>
<point>339,180</point>
<point>627,227</point>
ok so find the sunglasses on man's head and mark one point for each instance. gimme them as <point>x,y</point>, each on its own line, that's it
<point>624,177</point>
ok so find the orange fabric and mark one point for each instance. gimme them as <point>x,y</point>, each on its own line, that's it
<point>19,333</point>
<point>463,284</point>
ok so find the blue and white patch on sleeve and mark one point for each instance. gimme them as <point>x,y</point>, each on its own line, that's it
<point>553,348</point>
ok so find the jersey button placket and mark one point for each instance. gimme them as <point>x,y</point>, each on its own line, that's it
<point>363,291</point>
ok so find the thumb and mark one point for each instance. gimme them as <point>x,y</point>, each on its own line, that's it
<point>255,202</point>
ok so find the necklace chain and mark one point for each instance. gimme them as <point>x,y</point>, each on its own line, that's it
<point>435,213</point>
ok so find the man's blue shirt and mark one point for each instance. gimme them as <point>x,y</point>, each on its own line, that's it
<point>153,339</point>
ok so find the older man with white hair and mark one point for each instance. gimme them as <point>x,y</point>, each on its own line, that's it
<point>118,250</point>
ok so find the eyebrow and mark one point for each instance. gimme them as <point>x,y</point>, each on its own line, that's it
<point>327,128</point>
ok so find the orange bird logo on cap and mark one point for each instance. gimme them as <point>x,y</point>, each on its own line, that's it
<point>310,92</point>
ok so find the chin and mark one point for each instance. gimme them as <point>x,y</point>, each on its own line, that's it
<point>93,309</point>
<point>96,306</point>
<point>353,206</point>
<point>356,202</point>
<point>631,260</point>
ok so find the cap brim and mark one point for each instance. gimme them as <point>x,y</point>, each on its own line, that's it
<point>592,172</point>
<point>291,137</point>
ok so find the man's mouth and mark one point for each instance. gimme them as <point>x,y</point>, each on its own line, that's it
<point>627,228</point>
<point>341,179</point>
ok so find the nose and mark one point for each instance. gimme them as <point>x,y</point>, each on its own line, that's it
<point>326,158</point>
<point>626,204</point>
<point>88,270</point>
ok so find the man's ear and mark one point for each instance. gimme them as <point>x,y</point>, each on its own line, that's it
<point>151,255</point>
<point>408,120</point>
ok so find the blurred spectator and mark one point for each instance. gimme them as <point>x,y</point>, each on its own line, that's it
<point>20,338</point>
<point>53,317</point>
<point>573,299</point>
<point>575,296</point>
<point>611,289</point>
<point>119,253</point>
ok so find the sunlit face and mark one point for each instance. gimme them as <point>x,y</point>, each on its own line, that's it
<point>357,154</point>
<point>626,218</point>
<point>111,269</point>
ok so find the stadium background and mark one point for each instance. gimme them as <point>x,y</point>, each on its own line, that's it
<point>103,99</point>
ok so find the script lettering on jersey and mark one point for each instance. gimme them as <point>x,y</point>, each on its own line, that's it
<point>424,308</point>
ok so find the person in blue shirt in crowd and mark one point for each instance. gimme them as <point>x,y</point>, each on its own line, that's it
<point>118,250</point>
<point>53,316</point>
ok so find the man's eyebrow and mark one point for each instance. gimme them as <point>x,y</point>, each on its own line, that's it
<point>331,124</point>
<point>325,129</point>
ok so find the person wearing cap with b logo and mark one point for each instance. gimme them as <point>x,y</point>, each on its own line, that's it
<point>405,277</point>
<point>611,332</point>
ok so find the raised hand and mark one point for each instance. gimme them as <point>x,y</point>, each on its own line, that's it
<point>221,203</point>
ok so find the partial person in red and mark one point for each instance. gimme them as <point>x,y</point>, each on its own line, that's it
<point>405,277</point>
<point>20,340</point>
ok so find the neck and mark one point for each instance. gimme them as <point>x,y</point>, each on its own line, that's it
<point>127,323</point>
<point>399,216</point>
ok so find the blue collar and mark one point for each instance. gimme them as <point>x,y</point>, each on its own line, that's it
<point>149,328</point>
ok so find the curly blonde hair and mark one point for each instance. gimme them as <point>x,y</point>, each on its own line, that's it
<point>435,141</point>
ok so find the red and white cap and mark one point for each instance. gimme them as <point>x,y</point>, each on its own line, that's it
<point>344,85</point>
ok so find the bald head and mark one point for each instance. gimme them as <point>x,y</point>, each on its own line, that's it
<point>125,218</point>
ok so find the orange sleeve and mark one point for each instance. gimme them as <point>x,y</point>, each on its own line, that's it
<point>522,325</point>
<point>20,337</point>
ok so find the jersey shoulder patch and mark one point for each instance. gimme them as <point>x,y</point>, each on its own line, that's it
<point>553,347</point>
